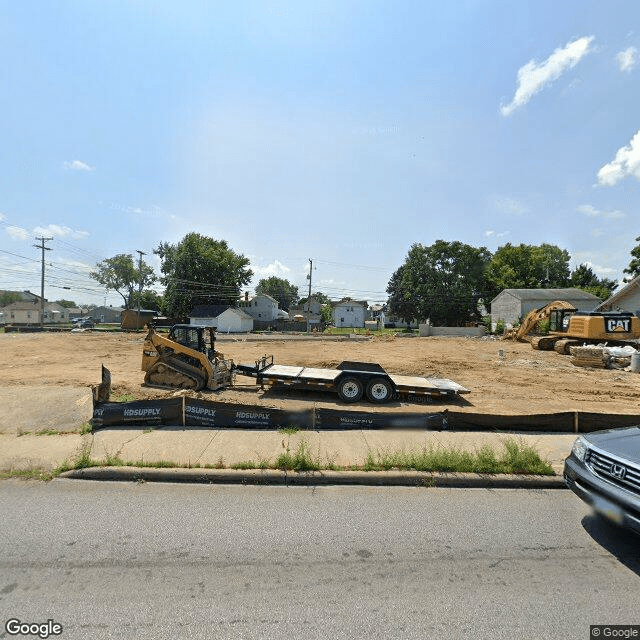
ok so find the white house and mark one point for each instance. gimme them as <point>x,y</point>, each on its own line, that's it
<point>234,320</point>
<point>206,315</point>
<point>260,307</point>
<point>349,313</point>
<point>625,299</point>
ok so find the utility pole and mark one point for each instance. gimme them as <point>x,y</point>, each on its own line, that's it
<point>309,297</point>
<point>44,248</point>
<point>141,253</point>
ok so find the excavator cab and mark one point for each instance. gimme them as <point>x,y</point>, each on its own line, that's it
<point>559,320</point>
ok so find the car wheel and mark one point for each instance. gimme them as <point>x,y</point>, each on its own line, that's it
<point>350,389</point>
<point>379,390</point>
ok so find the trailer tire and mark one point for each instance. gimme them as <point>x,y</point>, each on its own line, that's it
<point>350,389</point>
<point>379,390</point>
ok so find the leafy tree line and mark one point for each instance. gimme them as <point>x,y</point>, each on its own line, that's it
<point>447,281</point>
<point>444,282</point>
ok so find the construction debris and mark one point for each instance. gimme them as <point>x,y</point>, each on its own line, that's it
<point>589,356</point>
<point>602,357</point>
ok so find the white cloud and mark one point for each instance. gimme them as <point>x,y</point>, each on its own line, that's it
<point>627,59</point>
<point>276,268</point>
<point>510,206</point>
<point>590,211</point>
<point>18,233</point>
<point>626,163</point>
<point>75,265</point>
<point>599,263</point>
<point>491,233</point>
<point>56,231</point>
<point>534,77</point>
<point>2,217</point>
<point>78,165</point>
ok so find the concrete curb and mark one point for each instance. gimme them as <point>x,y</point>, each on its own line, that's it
<point>314,478</point>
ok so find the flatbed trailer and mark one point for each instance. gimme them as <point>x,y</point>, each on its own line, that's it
<point>350,380</point>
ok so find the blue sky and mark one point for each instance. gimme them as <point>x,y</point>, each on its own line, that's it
<point>337,131</point>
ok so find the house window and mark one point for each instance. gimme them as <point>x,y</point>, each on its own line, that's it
<point>259,315</point>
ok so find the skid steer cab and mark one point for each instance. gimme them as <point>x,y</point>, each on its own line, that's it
<point>185,359</point>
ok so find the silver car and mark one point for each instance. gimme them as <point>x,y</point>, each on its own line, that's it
<point>604,470</point>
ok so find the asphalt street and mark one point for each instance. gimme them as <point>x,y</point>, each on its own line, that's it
<point>127,560</point>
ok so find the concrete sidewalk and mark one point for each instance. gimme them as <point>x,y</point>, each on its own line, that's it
<point>223,448</point>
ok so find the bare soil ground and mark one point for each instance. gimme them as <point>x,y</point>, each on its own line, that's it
<point>522,381</point>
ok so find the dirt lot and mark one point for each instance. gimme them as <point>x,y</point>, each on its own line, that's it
<point>521,381</point>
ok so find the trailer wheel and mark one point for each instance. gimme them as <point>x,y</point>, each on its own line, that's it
<point>379,390</point>
<point>350,389</point>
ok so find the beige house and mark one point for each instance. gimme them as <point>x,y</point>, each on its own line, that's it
<point>29,313</point>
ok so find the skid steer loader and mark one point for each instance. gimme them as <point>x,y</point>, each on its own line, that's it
<point>185,359</point>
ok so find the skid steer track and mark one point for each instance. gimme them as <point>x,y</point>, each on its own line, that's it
<point>171,373</point>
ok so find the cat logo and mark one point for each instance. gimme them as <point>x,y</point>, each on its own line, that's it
<point>616,324</point>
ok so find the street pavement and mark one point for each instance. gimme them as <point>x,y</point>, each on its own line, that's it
<point>156,560</point>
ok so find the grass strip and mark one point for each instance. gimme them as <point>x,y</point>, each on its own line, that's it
<point>516,458</point>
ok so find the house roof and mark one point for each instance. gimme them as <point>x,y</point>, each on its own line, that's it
<point>526,295</point>
<point>258,295</point>
<point>351,303</point>
<point>103,308</point>
<point>621,294</point>
<point>21,305</point>
<point>208,310</point>
<point>145,311</point>
<point>25,295</point>
<point>240,313</point>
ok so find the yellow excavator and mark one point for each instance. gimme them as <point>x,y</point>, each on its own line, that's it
<point>185,359</point>
<point>569,328</point>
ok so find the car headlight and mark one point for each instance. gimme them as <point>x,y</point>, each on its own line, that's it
<point>580,448</point>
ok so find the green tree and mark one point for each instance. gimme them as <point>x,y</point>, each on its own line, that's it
<point>528,267</point>
<point>442,282</point>
<point>325,305</point>
<point>583,277</point>
<point>318,296</point>
<point>121,274</point>
<point>280,289</point>
<point>9,297</point>
<point>149,299</point>
<point>200,270</point>
<point>633,270</point>
<point>67,304</point>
